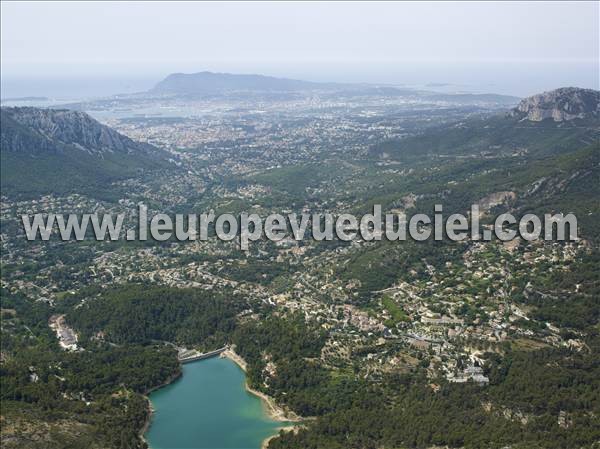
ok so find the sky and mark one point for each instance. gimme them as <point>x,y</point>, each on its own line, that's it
<point>506,47</point>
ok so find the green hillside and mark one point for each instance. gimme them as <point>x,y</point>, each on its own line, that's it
<point>84,159</point>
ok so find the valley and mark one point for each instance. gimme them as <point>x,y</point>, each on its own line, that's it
<point>409,344</point>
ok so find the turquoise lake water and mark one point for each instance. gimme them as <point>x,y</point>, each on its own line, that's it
<point>208,408</point>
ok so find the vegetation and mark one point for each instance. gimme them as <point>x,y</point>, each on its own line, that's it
<point>139,314</point>
<point>372,341</point>
<point>396,312</point>
<point>93,398</point>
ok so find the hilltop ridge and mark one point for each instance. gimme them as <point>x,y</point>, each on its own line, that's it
<point>29,129</point>
<point>60,151</point>
<point>210,82</point>
<point>563,104</point>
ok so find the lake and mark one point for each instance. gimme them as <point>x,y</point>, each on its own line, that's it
<point>208,408</point>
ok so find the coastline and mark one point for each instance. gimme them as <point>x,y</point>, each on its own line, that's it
<point>273,411</point>
<point>150,409</point>
<point>266,441</point>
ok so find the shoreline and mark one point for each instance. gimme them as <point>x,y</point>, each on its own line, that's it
<point>149,408</point>
<point>266,441</point>
<point>273,411</point>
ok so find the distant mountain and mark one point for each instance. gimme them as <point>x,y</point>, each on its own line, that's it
<point>211,83</point>
<point>549,165</point>
<point>521,130</point>
<point>268,87</point>
<point>61,151</point>
<point>35,130</point>
<point>562,104</point>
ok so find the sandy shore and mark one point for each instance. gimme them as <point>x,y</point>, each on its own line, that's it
<point>149,412</point>
<point>274,411</point>
<point>266,441</point>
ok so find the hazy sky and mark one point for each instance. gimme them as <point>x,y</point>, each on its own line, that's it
<point>377,42</point>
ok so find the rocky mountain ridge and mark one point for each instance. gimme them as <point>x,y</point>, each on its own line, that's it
<point>213,83</point>
<point>34,130</point>
<point>61,151</point>
<point>564,104</point>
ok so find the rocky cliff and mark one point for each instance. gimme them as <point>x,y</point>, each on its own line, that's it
<point>60,151</point>
<point>562,104</point>
<point>34,130</point>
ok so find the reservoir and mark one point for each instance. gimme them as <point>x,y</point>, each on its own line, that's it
<point>208,408</point>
